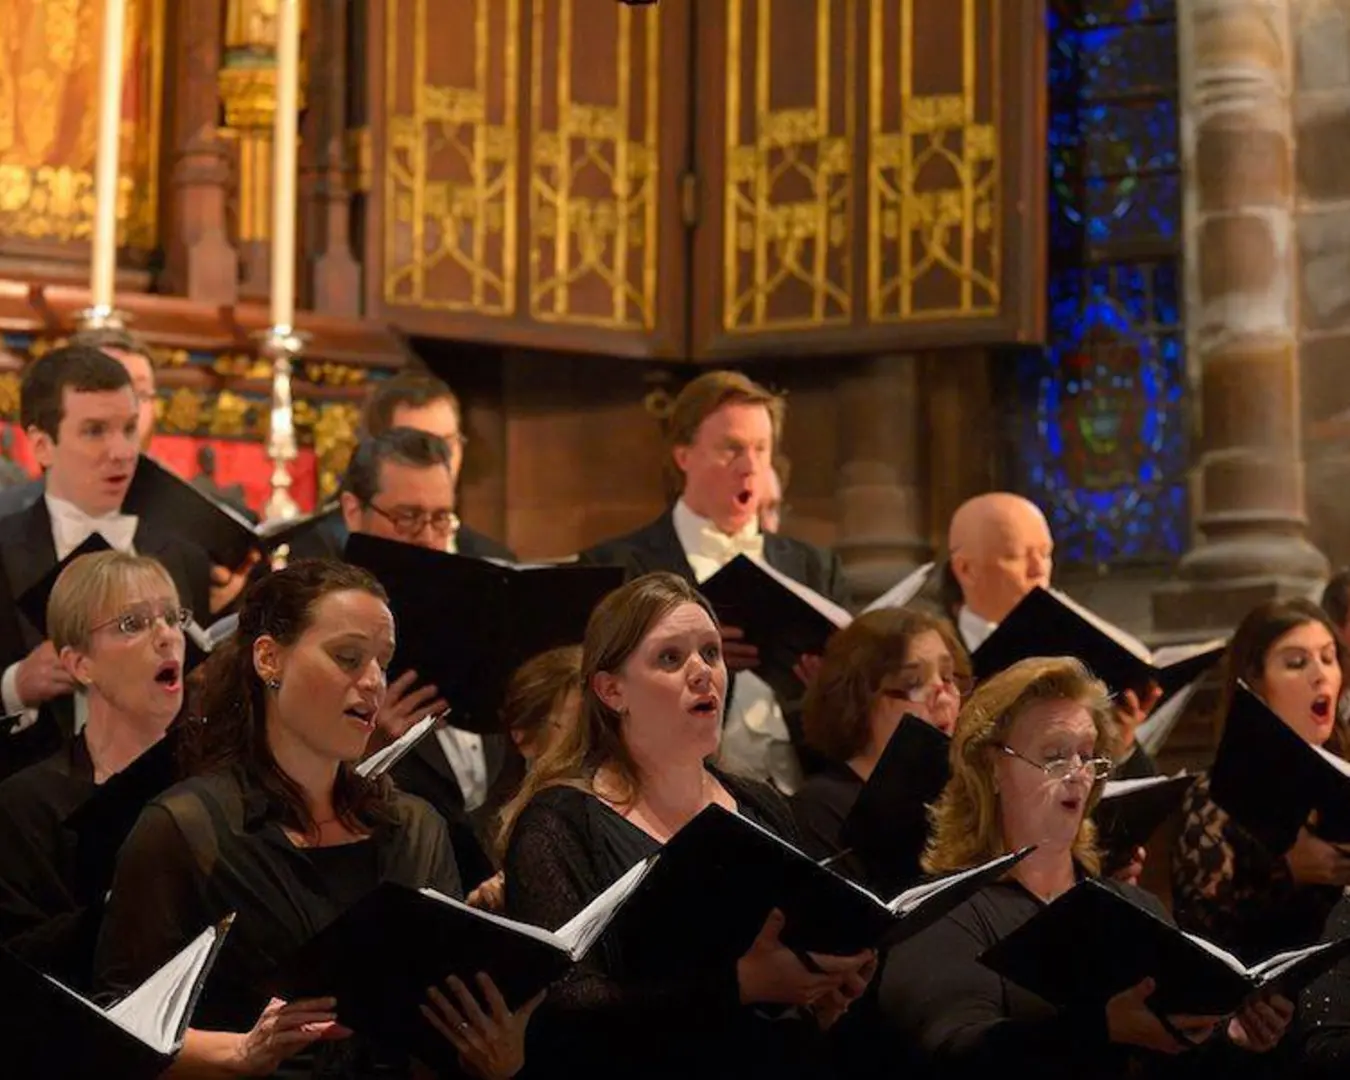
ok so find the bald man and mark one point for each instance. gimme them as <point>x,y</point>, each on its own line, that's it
<point>1000,549</point>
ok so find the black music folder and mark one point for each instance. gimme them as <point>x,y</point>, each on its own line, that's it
<point>466,624</point>
<point>1093,942</point>
<point>887,828</point>
<point>1269,780</point>
<point>48,1030</point>
<point>1130,811</point>
<point>783,618</point>
<point>102,822</point>
<point>33,601</point>
<point>715,882</point>
<point>200,640</point>
<point>1048,623</point>
<point>380,955</point>
<point>176,507</point>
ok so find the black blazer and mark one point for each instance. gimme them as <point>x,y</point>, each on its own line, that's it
<point>425,772</point>
<point>657,547</point>
<point>28,553</point>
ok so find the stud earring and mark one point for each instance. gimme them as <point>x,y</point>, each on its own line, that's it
<point>274,684</point>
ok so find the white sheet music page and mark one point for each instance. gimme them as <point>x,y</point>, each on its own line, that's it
<point>904,591</point>
<point>155,1010</point>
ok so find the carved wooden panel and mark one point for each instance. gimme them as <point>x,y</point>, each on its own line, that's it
<point>49,70</point>
<point>871,173</point>
<point>529,155</point>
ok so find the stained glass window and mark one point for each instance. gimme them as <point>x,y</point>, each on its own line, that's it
<point>1099,424</point>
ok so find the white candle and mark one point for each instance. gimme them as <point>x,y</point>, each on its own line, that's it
<point>109,146</point>
<point>284,163</point>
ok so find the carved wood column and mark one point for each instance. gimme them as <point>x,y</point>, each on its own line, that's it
<point>200,261</point>
<point>880,499</point>
<point>1241,316</point>
<point>334,275</point>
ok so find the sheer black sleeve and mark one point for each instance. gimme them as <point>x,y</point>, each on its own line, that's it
<point>155,906</point>
<point>550,876</point>
<point>1231,889</point>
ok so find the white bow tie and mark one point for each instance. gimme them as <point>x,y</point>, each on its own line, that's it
<point>75,528</point>
<point>725,548</point>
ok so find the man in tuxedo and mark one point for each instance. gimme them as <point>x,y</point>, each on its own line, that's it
<point>128,352</point>
<point>399,487</point>
<point>721,437</point>
<point>412,399</point>
<point>999,549</point>
<point>81,413</point>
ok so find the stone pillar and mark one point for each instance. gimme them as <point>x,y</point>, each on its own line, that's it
<point>200,261</point>
<point>880,497</point>
<point>1322,125</point>
<point>1241,315</point>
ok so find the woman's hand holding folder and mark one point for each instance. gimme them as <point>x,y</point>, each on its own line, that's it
<point>773,974</point>
<point>1130,1022</point>
<point>283,1030</point>
<point>1261,1023</point>
<point>1314,861</point>
<point>491,1046</point>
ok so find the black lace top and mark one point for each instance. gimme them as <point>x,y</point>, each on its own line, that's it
<point>1231,889</point>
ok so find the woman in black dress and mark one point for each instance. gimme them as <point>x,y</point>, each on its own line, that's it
<point>881,666</point>
<point>1226,885</point>
<point>117,625</point>
<point>277,827</point>
<point>625,780</point>
<point>1029,755</point>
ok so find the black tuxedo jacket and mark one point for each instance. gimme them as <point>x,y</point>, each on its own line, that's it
<point>657,547</point>
<point>28,553</point>
<point>425,772</point>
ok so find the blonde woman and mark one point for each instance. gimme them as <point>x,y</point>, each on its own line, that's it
<point>1031,750</point>
<point>116,623</point>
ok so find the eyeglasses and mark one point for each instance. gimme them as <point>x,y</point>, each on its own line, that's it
<point>916,692</point>
<point>410,523</point>
<point>1063,768</point>
<point>137,620</point>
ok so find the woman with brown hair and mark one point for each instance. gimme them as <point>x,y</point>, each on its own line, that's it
<point>1226,885</point>
<point>1029,756</point>
<point>276,826</point>
<point>631,773</point>
<point>880,667</point>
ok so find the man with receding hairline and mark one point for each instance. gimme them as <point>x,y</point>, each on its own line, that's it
<point>1000,549</point>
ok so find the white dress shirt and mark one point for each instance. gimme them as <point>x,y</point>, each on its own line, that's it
<point>464,751</point>
<point>71,527</point>
<point>974,629</point>
<point>755,736</point>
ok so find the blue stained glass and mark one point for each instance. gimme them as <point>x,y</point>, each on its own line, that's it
<point>1100,414</point>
